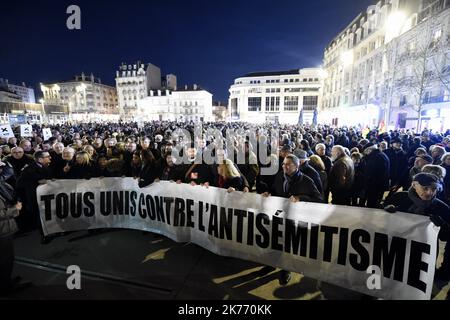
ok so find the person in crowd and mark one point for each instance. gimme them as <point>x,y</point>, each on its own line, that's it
<point>249,168</point>
<point>446,165</point>
<point>440,173</point>
<point>31,177</point>
<point>196,171</point>
<point>102,163</point>
<point>171,171</point>
<point>266,176</point>
<point>307,170</point>
<point>229,177</point>
<point>341,177</point>
<point>329,144</point>
<point>18,160</point>
<point>317,164</point>
<point>133,169</point>
<point>304,145</point>
<point>26,147</point>
<point>426,142</point>
<point>91,152</point>
<point>421,199</point>
<point>99,146</point>
<point>9,210</point>
<point>437,153</point>
<point>151,168</point>
<point>417,144</point>
<point>397,160</point>
<point>12,142</point>
<point>292,184</point>
<point>82,168</point>
<point>376,176</point>
<point>58,163</point>
<point>358,197</point>
<point>115,168</point>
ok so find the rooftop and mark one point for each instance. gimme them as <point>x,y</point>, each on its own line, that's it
<point>271,73</point>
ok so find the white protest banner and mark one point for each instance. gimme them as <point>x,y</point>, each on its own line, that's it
<point>47,132</point>
<point>26,130</point>
<point>335,244</point>
<point>6,131</point>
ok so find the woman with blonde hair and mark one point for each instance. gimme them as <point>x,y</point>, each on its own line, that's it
<point>82,168</point>
<point>229,177</point>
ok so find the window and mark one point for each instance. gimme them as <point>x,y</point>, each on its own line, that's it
<point>290,103</point>
<point>254,104</point>
<point>310,102</point>
<point>234,108</point>
<point>272,103</point>
<point>403,101</point>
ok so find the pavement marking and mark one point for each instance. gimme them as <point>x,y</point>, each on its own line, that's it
<point>91,275</point>
<point>236,275</point>
<point>157,255</point>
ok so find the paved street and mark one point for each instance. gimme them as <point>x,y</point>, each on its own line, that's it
<point>126,264</point>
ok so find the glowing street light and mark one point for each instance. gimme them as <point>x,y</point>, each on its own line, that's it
<point>395,24</point>
<point>347,58</point>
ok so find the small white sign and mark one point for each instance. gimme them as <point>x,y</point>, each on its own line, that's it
<point>47,132</point>
<point>26,130</point>
<point>6,131</point>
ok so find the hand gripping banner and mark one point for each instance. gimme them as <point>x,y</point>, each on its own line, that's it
<point>335,244</point>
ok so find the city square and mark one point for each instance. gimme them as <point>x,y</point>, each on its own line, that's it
<point>189,160</point>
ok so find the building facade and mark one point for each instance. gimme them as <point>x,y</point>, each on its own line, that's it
<point>26,94</point>
<point>288,97</point>
<point>133,83</point>
<point>369,65</point>
<point>86,98</point>
<point>186,104</point>
<point>421,79</point>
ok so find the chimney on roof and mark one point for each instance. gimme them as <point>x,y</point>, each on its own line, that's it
<point>92,77</point>
<point>83,77</point>
<point>185,87</point>
<point>99,81</point>
<point>195,86</point>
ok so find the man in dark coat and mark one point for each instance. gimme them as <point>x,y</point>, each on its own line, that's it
<point>307,170</point>
<point>31,177</point>
<point>398,161</point>
<point>341,177</point>
<point>18,160</point>
<point>293,184</point>
<point>376,176</point>
<point>421,199</point>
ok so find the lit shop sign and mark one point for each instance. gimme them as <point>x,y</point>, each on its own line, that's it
<point>17,112</point>
<point>432,113</point>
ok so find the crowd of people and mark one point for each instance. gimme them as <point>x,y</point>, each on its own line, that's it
<point>397,170</point>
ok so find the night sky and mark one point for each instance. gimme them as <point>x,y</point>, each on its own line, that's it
<point>205,42</point>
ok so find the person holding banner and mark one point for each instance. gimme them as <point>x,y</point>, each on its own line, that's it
<point>293,184</point>
<point>31,177</point>
<point>421,199</point>
<point>229,177</point>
